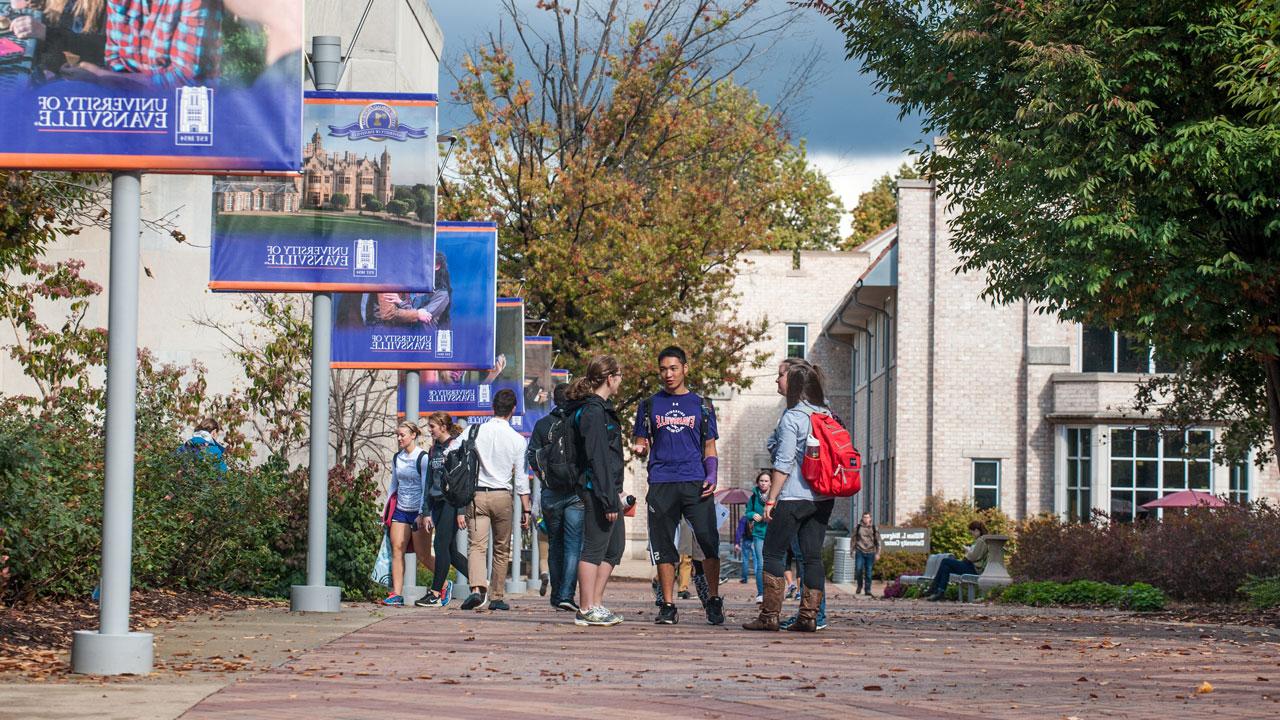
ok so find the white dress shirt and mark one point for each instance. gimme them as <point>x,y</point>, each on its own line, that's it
<point>501,450</point>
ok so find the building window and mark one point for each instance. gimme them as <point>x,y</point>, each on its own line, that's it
<point>1146,464</point>
<point>1079,474</point>
<point>986,484</point>
<point>1239,490</point>
<point>797,341</point>
<point>1103,350</point>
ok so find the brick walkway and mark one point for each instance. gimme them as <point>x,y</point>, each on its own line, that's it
<point>879,659</point>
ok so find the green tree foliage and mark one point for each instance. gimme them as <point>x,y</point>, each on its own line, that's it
<point>399,207</point>
<point>339,201</point>
<point>877,208</point>
<point>628,174</point>
<point>371,203</point>
<point>1116,163</point>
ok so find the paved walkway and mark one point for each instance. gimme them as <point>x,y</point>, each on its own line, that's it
<point>879,659</point>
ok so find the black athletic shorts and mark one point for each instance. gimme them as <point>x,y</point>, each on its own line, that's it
<point>668,502</point>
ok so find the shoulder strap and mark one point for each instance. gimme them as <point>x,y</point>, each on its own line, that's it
<point>646,407</point>
<point>704,427</point>
<point>418,464</point>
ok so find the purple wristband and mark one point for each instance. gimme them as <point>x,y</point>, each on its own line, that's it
<point>712,466</point>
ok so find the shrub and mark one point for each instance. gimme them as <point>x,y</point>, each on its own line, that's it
<point>1263,593</point>
<point>895,589</point>
<point>1204,555</point>
<point>948,523</point>
<point>1083,593</point>
<point>896,563</point>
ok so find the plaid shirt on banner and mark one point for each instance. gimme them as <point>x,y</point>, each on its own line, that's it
<point>173,42</point>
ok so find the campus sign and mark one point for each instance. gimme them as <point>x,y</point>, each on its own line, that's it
<point>448,328</point>
<point>470,392</point>
<point>147,86</point>
<point>905,539</point>
<point>361,217</point>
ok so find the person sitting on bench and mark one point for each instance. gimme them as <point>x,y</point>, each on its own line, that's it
<point>974,560</point>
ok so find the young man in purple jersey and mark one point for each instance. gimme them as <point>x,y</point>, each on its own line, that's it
<point>676,428</point>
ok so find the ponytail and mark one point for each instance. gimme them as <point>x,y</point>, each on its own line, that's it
<point>598,371</point>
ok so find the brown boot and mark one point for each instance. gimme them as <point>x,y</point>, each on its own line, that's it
<point>807,617</point>
<point>771,607</point>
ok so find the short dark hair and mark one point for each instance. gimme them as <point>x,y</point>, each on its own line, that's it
<point>979,526</point>
<point>560,394</point>
<point>504,402</point>
<point>673,351</point>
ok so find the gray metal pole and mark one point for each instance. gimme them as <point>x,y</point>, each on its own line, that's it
<point>315,596</point>
<point>535,560</point>
<point>113,650</point>
<point>516,584</point>
<point>412,591</point>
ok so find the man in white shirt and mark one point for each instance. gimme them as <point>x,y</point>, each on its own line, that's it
<point>501,452</point>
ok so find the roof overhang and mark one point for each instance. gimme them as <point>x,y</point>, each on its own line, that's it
<point>878,283</point>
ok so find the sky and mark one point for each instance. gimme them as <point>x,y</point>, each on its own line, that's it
<point>852,133</point>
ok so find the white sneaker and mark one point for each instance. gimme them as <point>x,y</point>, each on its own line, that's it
<point>597,616</point>
<point>759,599</point>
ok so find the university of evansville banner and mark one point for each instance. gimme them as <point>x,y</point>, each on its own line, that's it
<point>449,328</point>
<point>460,392</point>
<point>148,86</point>
<point>360,218</point>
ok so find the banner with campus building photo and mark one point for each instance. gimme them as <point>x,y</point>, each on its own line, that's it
<point>470,392</point>
<point>449,328</point>
<point>361,216</point>
<point>198,86</point>
<point>538,381</point>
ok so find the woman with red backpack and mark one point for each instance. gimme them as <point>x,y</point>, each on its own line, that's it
<point>793,508</point>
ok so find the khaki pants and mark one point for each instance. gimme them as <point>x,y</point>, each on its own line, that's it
<point>686,573</point>
<point>491,511</point>
<point>544,552</point>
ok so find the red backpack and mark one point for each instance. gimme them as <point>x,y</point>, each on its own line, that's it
<point>831,464</point>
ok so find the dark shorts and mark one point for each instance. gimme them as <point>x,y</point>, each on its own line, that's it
<point>668,503</point>
<point>602,541</point>
<point>408,517</point>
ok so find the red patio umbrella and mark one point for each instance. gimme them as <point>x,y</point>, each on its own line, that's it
<point>1186,499</point>
<point>733,496</point>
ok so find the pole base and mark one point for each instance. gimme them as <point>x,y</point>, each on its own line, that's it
<point>517,587</point>
<point>315,598</point>
<point>93,653</point>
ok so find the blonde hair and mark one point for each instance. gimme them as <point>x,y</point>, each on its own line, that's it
<point>411,427</point>
<point>92,12</point>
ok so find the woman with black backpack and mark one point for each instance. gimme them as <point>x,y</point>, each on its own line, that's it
<point>445,519</point>
<point>599,431</point>
<point>792,508</point>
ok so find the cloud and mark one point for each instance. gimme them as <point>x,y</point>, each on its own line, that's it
<point>851,176</point>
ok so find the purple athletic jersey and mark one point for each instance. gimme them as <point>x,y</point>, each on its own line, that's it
<point>675,451</point>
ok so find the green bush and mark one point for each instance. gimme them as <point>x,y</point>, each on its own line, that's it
<point>1139,597</point>
<point>1263,592</point>
<point>948,523</point>
<point>896,563</point>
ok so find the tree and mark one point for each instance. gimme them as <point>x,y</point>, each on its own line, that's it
<point>371,203</point>
<point>399,207</point>
<point>1114,163</point>
<point>339,201</point>
<point>628,173</point>
<point>877,209</point>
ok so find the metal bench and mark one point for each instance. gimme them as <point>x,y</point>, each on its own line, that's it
<point>930,570</point>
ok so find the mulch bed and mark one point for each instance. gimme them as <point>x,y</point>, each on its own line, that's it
<point>34,636</point>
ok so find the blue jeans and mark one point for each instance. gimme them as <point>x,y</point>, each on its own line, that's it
<point>948,566</point>
<point>746,558</point>
<point>862,563</point>
<point>563,515</point>
<point>757,555</point>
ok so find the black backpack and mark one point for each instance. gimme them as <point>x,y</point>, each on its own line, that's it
<point>461,471</point>
<point>558,456</point>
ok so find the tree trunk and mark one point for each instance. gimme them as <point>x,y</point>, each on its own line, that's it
<point>1272,367</point>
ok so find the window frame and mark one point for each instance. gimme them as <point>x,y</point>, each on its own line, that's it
<point>1081,491</point>
<point>803,345</point>
<point>1116,338</point>
<point>1160,460</point>
<point>973,480</point>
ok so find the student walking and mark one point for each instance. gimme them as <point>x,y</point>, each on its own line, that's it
<point>792,508</point>
<point>562,511</point>
<point>500,450</point>
<point>599,431</point>
<point>440,517</point>
<point>408,481</point>
<point>866,550</point>
<point>676,429</point>
<point>753,542</point>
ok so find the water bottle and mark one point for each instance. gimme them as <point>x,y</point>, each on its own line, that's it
<point>811,448</point>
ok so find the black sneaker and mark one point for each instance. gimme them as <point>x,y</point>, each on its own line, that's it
<point>567,606</point>
<point>715,610</point>
<point>474,600</point>
<point>684,595</point>
<point>546,582</point>
<point>667,615</point>
<point>430,600</point>
<point>499,605</point>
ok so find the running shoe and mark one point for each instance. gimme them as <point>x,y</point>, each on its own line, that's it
<point>667,615</point>
<point>787,623</point>
<point>394,601</point>
<point>446,593</point>
<point>822,624</point>
<point>610,618</point>
<point>474,600</point>
<point>759,599</point>
<point>684,595</point>
<point>715,610</point>
<point>430,600</point>
<point>791,591</point>
<point>596,617</point>
<point>567,606</point>
<point>499,605</point>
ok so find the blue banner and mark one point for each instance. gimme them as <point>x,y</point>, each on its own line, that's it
<point>538,381</point>
<point>360,218</point>
<point>449,328</point>
<point>466,393</point>
<point>152,86</point>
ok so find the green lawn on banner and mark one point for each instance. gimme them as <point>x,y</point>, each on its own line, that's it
<point>307,223</point>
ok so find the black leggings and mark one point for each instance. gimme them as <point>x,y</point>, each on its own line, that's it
<point>602,541</point>
<point>807,520</point>
<point>445,516</point>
